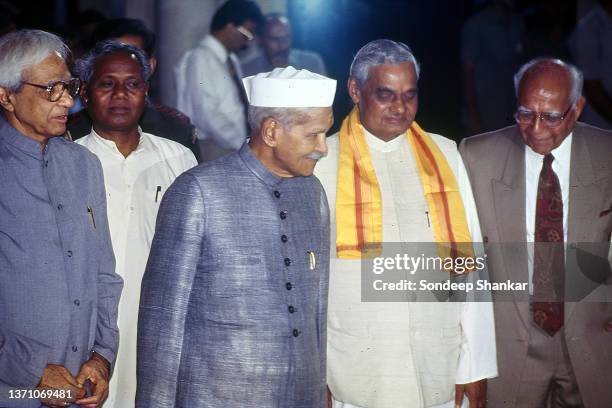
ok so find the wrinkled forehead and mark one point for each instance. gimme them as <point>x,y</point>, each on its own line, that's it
<point>52,67</point>
<point>117,61</point>
<point>545,82</point>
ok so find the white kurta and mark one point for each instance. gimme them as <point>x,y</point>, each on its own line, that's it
<point>134,186</point>
<point>384,354</point>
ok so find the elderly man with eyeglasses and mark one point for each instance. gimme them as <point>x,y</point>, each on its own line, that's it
<point>543,190</point>
<point>58,288</point>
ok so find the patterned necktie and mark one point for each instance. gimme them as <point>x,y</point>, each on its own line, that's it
<point>241,92</point>
<point>548,257</point>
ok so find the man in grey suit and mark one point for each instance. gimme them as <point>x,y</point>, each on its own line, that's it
<point>58,288</point>
<point>234,297</point>
<point>547,182</point>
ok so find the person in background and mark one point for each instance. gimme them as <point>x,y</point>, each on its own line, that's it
<point>208,79</point>
<point>543,190</point>
<point>138,169</point>
<point>492,44</point>
<point>156,119</point>
<point>275,43</point>
<point>58,287</point>
<point>591,49</point>
<point>391,182</point>
<point>234,298</point>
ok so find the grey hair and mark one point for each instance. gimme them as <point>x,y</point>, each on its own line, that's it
<point>380,52</point>
<point>288,117</point>
<point>541,64</point>
<point>85,66</point>
<point>23,49</point>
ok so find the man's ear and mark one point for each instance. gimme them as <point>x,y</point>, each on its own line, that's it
<point>83,93</point>
<point>579,106</point>
<point>6,100</point>
<point>353,90</point>
<point>153,64</point>
<point>270,131</point>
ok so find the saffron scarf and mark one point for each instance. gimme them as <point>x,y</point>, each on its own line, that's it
<point>359,203</point>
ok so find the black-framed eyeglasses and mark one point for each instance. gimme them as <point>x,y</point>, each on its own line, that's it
<point>56,89</point>
<point>549,119</point>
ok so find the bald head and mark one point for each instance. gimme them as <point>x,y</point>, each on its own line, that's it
<point>276,39</point>
<point>550,102</point>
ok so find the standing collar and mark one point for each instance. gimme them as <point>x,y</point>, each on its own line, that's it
<point>216,47</point>
<point>10,135</point>
<point>144,143</point>
<point>257,167</point>
<point>380,145</point>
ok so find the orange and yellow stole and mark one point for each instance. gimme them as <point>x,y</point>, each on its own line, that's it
<point>359,203</point>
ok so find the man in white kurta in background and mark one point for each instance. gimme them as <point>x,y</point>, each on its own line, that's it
<point>138,169</point>
<point>397,354</point>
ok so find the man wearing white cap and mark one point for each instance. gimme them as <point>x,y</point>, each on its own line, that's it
<point>234,297</point>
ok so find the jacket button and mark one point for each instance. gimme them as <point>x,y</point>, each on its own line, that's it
<point>283,215</point>
<point>296,333</point>
<point>277,194</point>
<point>75,348</point>
<point>69,253</point>
<point>77,302</point>
<point>291,309</point>
<point>284,238</point>
<point>287,261</point>
<point>288,286</point>
<point>60,207</point>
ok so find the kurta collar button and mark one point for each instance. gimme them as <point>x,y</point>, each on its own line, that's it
<point>60,207</point>
<point>75,348</point>
<point>288,285</point>
<point>77,302</point>
<point>283,214</point>
<point>296,332</point>
<point>287,261</point>
<point>277,194</point>
<point>291,309</point>
<point>69,253</point>
<point>284,238</point>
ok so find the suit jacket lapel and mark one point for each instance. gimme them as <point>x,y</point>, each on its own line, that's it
<point>509,202</point>
<point>584,199</point>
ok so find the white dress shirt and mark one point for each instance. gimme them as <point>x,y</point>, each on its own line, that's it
<point>135,186</point>
<point>533,167</point>
<point>207,93</point>
<point>388,359</point>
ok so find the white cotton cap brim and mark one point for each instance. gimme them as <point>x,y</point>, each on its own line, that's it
<point>290,88</point>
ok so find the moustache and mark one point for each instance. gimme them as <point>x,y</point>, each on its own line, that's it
<point>316,156</point>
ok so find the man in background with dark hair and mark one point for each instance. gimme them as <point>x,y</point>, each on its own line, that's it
<point>156,119</point>
<point>275,50</point>
<point>209,89</point>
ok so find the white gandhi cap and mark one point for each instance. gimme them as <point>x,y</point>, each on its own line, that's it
<point>290,88</point>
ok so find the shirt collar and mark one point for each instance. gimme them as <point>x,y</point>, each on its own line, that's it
<point>22,142</point>
<point>380,145</point>
<point>561,153</point>
<point>144,143</point>
<point>216,47</point>
<point>257,167</point>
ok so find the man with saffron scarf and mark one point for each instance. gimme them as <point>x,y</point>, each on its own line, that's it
<point>390,181</point>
